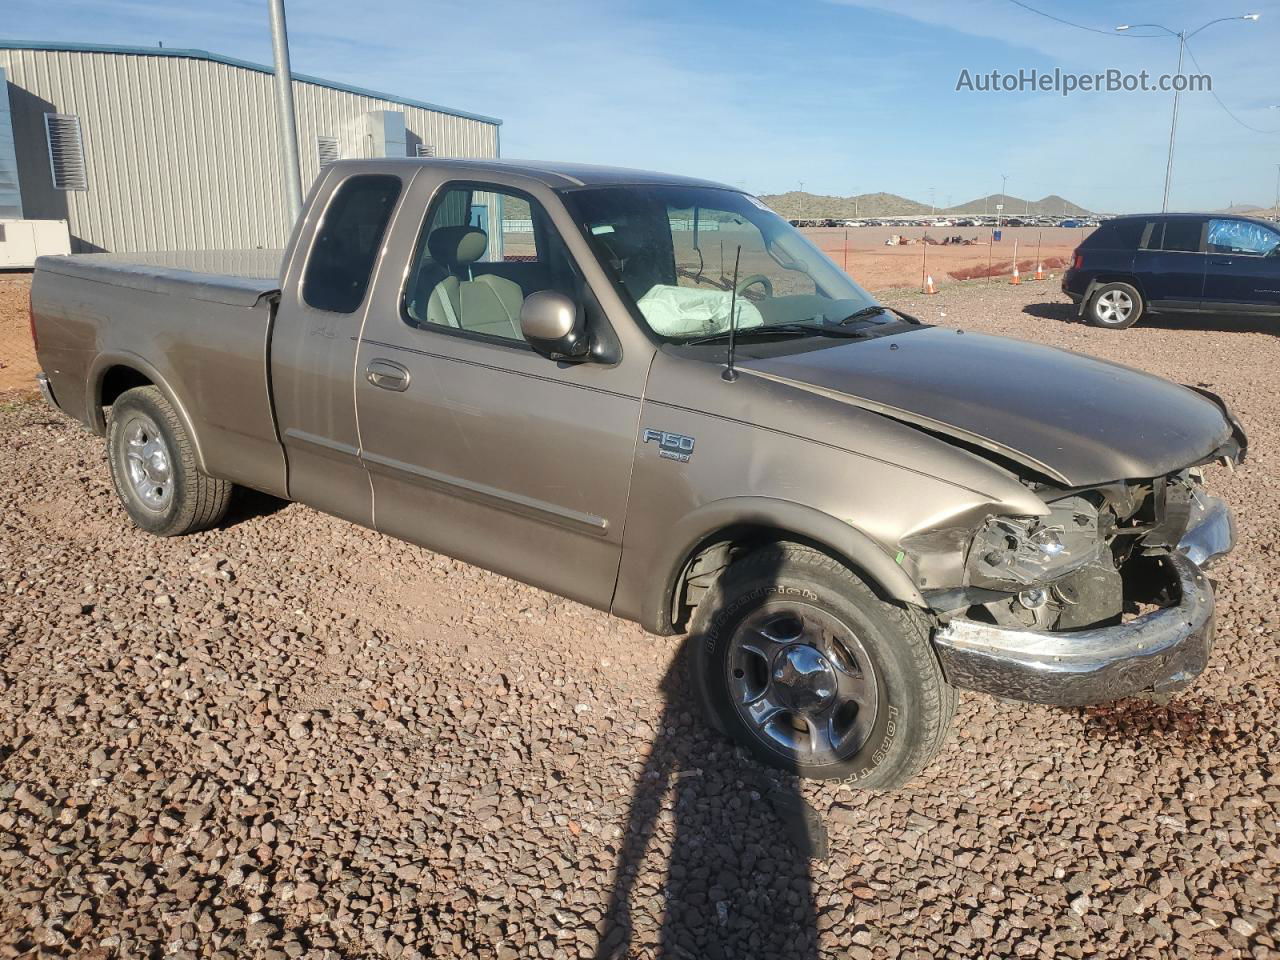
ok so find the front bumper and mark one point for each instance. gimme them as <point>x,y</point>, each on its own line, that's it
<point>1160,652</point>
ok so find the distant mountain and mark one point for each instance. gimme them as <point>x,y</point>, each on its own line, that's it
<point>1050,206</point>
<point>800,205</point>
<point>1246,209</point>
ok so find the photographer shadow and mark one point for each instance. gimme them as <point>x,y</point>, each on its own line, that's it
<point>737,880</point>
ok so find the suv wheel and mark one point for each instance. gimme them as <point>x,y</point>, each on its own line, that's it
<point>1115,306</point>
<point>153,467</point>
<point>802,664</point>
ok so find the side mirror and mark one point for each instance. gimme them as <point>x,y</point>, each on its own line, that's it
<point>554,325</point>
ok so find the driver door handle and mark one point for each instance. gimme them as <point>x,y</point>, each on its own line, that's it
<point>388,375</point>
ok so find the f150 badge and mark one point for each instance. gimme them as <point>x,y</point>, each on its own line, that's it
<point>673,446</point>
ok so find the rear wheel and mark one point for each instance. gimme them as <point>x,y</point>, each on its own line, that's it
<point>808,669</point>
<point>1114,306</point>
<point>153,467</point>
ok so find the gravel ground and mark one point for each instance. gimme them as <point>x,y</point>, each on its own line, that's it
<point>293,737</point>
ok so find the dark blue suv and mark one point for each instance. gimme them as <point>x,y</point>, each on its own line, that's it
<point>1175,263</point>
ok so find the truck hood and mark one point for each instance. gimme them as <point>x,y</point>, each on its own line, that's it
<point>1072,418</point>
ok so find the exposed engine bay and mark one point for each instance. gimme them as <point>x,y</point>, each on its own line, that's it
<point>1092,561</point>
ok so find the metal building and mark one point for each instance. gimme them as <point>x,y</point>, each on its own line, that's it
<point>148,148</point>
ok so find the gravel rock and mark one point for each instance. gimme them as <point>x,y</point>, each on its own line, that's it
<point>291,737</point>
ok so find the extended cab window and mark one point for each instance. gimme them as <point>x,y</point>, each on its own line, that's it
<point>1243,238</point>
<point>481,251</point>
<point>347,242</point>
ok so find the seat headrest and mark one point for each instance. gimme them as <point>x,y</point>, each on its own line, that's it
<point>457,245</point>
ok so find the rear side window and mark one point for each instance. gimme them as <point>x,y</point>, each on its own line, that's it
<point>1181,236</point>
<point>347,243</point>
<point>1116,235</point>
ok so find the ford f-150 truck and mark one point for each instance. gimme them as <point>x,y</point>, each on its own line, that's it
<point>652,395</point>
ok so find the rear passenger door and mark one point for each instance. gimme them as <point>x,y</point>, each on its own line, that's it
<point>1170,264</point>
<point>1243,270</point>
<point>476,445</point>
<point>313,341</point>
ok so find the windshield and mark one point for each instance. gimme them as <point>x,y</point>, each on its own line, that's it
<point>674,251</point>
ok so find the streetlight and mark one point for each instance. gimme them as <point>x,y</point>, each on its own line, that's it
<point>1004,182</point>
<point>1183,36</point>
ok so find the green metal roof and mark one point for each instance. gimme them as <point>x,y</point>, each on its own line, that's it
<point>235,62</point>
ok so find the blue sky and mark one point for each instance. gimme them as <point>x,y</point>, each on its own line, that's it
<point>844,96</point>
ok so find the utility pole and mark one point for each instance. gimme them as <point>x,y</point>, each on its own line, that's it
<point>1183,36</point>
<point>1173,124</point>
<point>1278,192</point>
<point>1004,182</point>
<point>284,109</point>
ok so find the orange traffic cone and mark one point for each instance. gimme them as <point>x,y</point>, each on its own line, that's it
<point>1017,279</point>
<point>1039,270</point>
<point>928,284</point>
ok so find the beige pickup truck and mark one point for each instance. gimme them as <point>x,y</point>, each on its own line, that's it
<point>652,395</point>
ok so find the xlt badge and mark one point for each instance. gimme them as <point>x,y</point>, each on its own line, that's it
<point>673,446</point>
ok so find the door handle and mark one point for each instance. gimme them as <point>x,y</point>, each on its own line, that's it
<point>1221,263</point>
<point>387,375</point>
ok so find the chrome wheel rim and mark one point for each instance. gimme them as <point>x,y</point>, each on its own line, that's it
<point>1114,306</point>
<point>148,462</point>
<point>803,683</point>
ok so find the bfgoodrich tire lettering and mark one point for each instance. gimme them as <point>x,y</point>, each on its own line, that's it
<point>153,467</point>
<point>906,703</point>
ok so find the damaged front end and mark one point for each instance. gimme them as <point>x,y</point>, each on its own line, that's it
<point>1102,597</point>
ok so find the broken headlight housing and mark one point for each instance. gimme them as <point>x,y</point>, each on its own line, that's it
<point>1014,552</point>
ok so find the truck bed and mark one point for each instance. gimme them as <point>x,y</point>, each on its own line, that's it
<point>235,277</point>
<point>196,324</point>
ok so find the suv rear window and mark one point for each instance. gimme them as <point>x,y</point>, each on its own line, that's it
<point>1180,236</point>
<point>1116,235</point>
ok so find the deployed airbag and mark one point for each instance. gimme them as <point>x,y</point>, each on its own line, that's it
<point>689,312</point>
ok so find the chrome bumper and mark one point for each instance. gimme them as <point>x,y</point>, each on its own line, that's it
<point>1160,652</point>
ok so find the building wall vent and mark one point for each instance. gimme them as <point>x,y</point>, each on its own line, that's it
<point>66,151</point>
<point>327,150</point>
<point>426,149</point>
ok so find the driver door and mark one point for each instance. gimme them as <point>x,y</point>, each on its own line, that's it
<point>477,446</point>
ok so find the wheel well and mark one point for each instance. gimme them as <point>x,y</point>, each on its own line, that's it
<point>706,561</point>
<point>116,381</point>
<point>1103,279</point>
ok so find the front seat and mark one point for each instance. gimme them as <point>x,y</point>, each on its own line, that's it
<point>485,304</point>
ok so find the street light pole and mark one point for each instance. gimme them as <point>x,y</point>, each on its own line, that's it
<point>1183,37</point>
<point>284,109</point>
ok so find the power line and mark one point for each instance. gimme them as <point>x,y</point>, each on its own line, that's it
<point>1214,94</point>
<point>1080,26</point>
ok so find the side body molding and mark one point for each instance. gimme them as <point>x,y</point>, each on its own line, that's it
<point>787,517</point>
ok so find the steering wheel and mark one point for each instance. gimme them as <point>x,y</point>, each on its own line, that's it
<point>759,278</point>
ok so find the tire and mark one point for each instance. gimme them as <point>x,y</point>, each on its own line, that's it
<point>876,733</point>
<point>1114,306</point>
<point>153,468</point>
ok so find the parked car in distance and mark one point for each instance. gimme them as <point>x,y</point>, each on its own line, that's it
<point>1175,263</point>
<point>852,513</point>
<point>1070,223</point>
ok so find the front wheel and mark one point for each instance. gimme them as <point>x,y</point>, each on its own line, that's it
<point>1114,306</point>
<point>153,467</point>
<point>810,671</point>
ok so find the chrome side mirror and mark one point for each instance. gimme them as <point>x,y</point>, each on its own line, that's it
<point>554,325</point>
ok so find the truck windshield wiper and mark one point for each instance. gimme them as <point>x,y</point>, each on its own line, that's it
<point>872,309</point>
<point>769,329</point>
